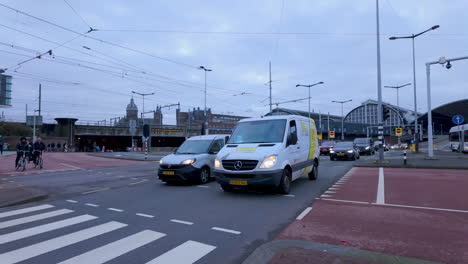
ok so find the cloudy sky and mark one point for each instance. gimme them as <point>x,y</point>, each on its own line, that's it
<point>156,46</point>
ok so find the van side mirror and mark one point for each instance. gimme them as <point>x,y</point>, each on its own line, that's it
<point>175,150</point>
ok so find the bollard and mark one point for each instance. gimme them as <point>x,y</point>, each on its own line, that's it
<point>404,157</point>
<point>146,148</point>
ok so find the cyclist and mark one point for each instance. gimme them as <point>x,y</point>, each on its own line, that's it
<point>21,147</point>
<point>38,147</point>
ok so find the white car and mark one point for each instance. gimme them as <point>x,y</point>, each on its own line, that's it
<point>270,151</point>
<point>193,160</point>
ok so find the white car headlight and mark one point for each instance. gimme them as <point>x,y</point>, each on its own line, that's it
<point>332,151</point>
<point>217,163</point>
<point>161,161</point>
<point>188,161</point>
<point>367,147</point>
<point>350,151</point>
<point>268,162</point>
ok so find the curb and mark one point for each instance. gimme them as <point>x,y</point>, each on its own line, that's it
<point>121,158</point>
<point>266,252</point>
<point>34,198</point>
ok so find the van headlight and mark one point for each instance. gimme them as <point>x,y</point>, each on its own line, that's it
<point>350,151</point>
<point>332,151</point>
<point>268,162</point>
<point>161,161</point>
<point>367,147</point>
<point>188,161</point>
<point>217,163</point>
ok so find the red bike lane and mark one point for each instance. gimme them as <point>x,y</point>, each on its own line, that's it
<point>421,214</point>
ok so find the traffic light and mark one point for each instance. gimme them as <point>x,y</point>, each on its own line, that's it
<point>146,130</point>
<point>385,112</point>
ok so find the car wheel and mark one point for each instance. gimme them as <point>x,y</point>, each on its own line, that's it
<point>204,175</point>
<point>354,157</point>
<point>358,157</point>
<point>314,173</point>
<point>285,184</point>
<point>331,158</point>
<point>227,188</point>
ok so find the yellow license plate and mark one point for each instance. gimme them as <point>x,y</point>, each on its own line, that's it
<point>168,173</point>
<point>237,182</point>
<point>341,154</point>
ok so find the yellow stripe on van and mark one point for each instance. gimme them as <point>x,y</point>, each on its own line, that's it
<point>246,149</point>
<point>312,146</point>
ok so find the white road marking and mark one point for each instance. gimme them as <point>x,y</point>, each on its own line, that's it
<point>92,205</point>
<point>44,228</point>
<point>289,195</point>
<point>324,195</point>
<point>186,253</point>
<point>334,189</point>
<point>145,215</point>
<point>330,192</point>
<point>304,213</point>
<point>133,183</point>
<point>181,222</point>
<point>98,190</point>
<point>72,201</point>
<point>344,201</point>
<point>58,242</point>
<point>203,186</point>
<point>226,230</point>
<point>116,248</point>
<point>133,178</point>
<point>26,210</point>
<point>381,187</point>
<point>33,218</point>
<point>115,209</point>
<point>422,207</point>
<point>71,166</point>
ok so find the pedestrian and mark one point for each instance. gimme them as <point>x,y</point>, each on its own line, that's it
<point>52,147</point>
<point>48,147</point>
<point>65,147</point>
<point>59,147</point>
<point>1,145</point>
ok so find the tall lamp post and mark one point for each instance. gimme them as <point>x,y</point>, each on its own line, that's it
<point>342,116</point>
<point>206,120</point>
<point>143,95</point>
<point>308,86</point>
<point>412,37</point>
<point>397,88</point>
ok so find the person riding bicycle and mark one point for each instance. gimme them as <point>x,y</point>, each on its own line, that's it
<point>37,148</point>
<point>20,147</point>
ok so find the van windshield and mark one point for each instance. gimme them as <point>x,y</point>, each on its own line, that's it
<point>262,131</point>
<point>194,147</point>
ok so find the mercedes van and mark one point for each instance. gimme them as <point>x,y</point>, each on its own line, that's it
<point>193,160</point>
<point>270,151</point>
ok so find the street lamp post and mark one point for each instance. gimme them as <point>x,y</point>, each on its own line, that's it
<point>412,37</point>
<point>143,95</point>
<point>308,86</point>
<point>397,88</point>
<point>206,120</point>
<point>342,116</point>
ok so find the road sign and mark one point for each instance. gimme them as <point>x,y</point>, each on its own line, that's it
<point>458,119</point>
<point>399,131</point>
<point>331,134</point>
<point>132,127</point>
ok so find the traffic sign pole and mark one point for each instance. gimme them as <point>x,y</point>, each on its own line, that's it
<point>458,120</point>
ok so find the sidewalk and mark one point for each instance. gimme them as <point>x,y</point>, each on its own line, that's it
<point>14,194</point>
<point>129,155</point>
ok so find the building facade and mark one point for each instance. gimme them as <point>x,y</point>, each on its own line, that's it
<point>217,123</point>
<point>367,113</point>
<point>5,90</point>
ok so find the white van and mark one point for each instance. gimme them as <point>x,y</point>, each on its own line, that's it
<point>193,160</point>
<point>270,151</point>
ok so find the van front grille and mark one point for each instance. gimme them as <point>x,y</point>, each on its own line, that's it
<point>240,165</point>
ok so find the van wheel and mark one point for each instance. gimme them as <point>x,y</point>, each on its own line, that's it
<point>314,173</point>
<point>226,188</point>
<point>285,184</point>
<point>204,175</point>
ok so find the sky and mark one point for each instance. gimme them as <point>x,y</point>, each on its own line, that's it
<point>156,46</point>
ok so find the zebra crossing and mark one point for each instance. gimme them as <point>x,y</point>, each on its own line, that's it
<point>12,234</point>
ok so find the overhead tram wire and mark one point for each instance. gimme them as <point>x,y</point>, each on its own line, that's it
<point>78,15</point>
<point>99,40</point>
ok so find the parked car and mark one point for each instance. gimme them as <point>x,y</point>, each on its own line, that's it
<point>193,160</point>
<point>364,145</point>
<point>269,152</point>
<point>326,147</point>
<point>344,150</point>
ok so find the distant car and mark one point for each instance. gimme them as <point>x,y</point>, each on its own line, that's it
<point>364,145</point>
<point>193,161</point>
<point>344,150</point>
<point>326,147</point>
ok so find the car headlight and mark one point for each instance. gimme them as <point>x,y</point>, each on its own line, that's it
<point>268,162</point>
<point>332,151</point>
<point>350,151</point>
<point>217,163</point>
<point>188,161</point>
<point>367,147</point>
<point>161,161</point>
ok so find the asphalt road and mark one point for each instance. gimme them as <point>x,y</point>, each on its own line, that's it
<point>128,216</point>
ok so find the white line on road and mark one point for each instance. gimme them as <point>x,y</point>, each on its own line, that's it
<point>71,201</point>
<point>92,205</point>
<point>115,210</point>
<point>98,190</point>
<point>58,242</point>
<point>330,192</point>
<point>186,253</point>
<point>381,187</point>
<point>334,189</point>
<point>289,195</point>
<point>324,195</point>
<point>145,215</point>
<point>181,222</point>
<point>226,230</point>
<point>26,210</point>
<point>116,248</point>
<point>133,178</point>
<point>33,218</point>
<point>344,201</point>
<point>71,166</point>
<point>304,213</point>
<point>203,186</point>
<point>133,183</point>
<point>422,207</point>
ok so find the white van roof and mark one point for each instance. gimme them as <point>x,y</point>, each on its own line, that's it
<point>208,137</point>
<point>274,117</point>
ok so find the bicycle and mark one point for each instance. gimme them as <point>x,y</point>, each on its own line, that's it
<point>22,161</point>
<point>39,161</point>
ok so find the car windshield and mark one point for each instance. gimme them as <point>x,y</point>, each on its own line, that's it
<point>361,141</point>
<point>328,144</point>
<point>194,147</point>
<point>344,145</point>
<point>262,131</point>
